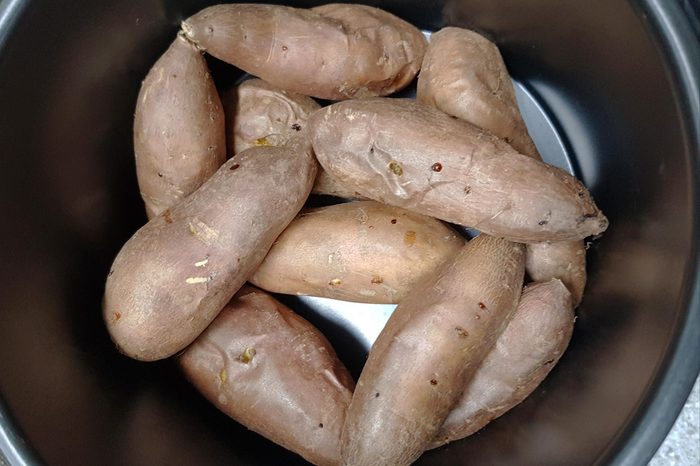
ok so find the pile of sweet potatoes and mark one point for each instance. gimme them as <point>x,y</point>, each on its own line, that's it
<point>225,178</point>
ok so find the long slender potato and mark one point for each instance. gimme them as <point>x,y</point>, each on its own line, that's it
<point>275,373</point>
<point>260,114</point>
<point>431,346</point>
<point>331,52</point>
<point>178,271</point>
<point>464,75</point>
<point>413,156</point>
<point>179,139</point>
<point>526,351</point>
<point>359,251</point>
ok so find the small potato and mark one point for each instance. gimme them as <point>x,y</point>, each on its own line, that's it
<point>524,354</point>
<point>413,156</point>
<point>179,139</point>
<point>360,251</point>
<point>464,75</point>
<point>260,114</point>
<point>178,271</point>
<point>430,348</point>
<point>330,52</point>
<point>275,373</point>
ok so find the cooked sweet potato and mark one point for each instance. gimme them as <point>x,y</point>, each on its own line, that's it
<point>413,156</point>
<point>179,139</point>
<point>359,251</point>
<point>178,271</point>
<point>464,75</point>
<point>275,373</point>
<point>430,348</point>
<point>523,355</point>
<point>331,52</point>
<point>260,114</point>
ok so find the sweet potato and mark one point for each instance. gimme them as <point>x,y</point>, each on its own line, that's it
<point>179,139</point>
<point>431,346</point>
<point>275,373</point>
<point>464,75</point>
<point>413,156</point>
<point>178,271</point>
<point>359,251</point>
<point>260,114</point>
<point>523,355</point>
<point>331,52</point>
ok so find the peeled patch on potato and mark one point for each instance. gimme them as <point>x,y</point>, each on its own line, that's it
<point>177,272</point>
<point>275,373</point>
<point>179,139</point>
<point>359,251</point>
<point>524,354</point>
<point>431,346</point>
<point>336,51</point>
<point>260,114</point>
<point>413,156</point>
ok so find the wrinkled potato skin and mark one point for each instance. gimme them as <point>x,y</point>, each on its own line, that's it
<point>360,251</point>
<point>413,156</point>
<point>464,75</point>
<point>260,114</point>
<point>178,271</point>
<point>526,351</point>
<point>430,348</point>
<point>358,51</point>
<point>179,139</point>
<point>564,260</point>
<point>295,394</point>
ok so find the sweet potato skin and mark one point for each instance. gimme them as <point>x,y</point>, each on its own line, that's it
<point>275,373</point>
<point>464,75</point>
<point>260,114</point>
<point>524,354</point>
<point>429,349</point>
<point>359,251</point>
<point>179,139</point>
<point>413,156</point>
<point>358,51</point>
<point>177,272</point>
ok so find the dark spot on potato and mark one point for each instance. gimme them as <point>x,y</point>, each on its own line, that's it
<point>371,227</point>
<point>546,363</point>
<point>437,167</point>
<point>433,382</point>
<point>296,127</point>
<point>320,424</point>
<point>111,272</point>
<point>393,221</point>
<point>461,332</point>
<point>210,148</point>
<point>160,175</point>
<point>482,305</point>
<point>245,36</point>
<point>235,166</point>
<point>467,189</point>
<point>285,48</point>
<point>542,222</point>
<point>376,280</point>
<point>371,150</point>
<point>509,140</point>
<point>581,194</point>
<point>454,117</point>
<point>174,75</point>
<point>376,395</point>
<point>116,317</point>
<point>409,238</point>
<point>167,216</point>
<point>210,29</point>
<point>585,217</point>
<point>335,282</point>
<point>238,259</point>
<point>247,355</point>
<point>395,168</point>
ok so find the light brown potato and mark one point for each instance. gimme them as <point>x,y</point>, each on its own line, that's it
<point>564,260</point>
<point>526,351</point>
<point>331,52</point>
<point>179,139</point>
<point>275,373</point>
<point>430,348</point>
<point>360,251</point>
<point>260,114</point>
<point>328,186</point>
<point>464,75</point>
<point>178,271</point>
<point>413,156</point>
